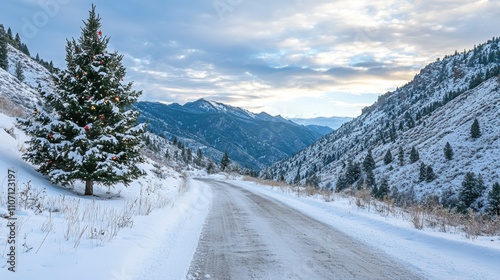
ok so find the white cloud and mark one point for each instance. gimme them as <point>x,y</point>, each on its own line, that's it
<point>262,53</point>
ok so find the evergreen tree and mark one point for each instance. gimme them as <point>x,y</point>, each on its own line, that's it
<point>430,175</point>
<point>25,50</point>
<point>448,151</point>
<point>87,130</point>
<point>10,38</point>
<point>475,130</point>
<point>374,191</point>
<point>342,183</point>
<point>199,157</point>
<point>370,180</point>
<point>494,200</point>
<point>384,189</point>
<point>4,59</point>
<point>388,157</point>
<point>414,156</point>
<point>312,181</point>
<point>423,172</point>
<point>401,156</point>
<point>472,189</point>
<point>296,180</point>
<point>353,172</point>
<point>224,163</point>
<point>17,42</point>
<point>368,162</point>
<point>393,133</point>
<point>210,167</point>
<point>282,177</point>
<point>19,71</point>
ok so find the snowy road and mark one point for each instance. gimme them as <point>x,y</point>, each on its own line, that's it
<point>248,236</point>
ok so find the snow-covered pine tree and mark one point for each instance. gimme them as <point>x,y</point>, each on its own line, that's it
<point>429,174</point>
<point>414,156</point>
<point>383,190</point>
<point>19,71</point>
<point>494,200</point>
<point>423,172</point>
<point>448,151</point>
<point>225,161</point>
<point>388,157</point>
<point>401,156</point>
<point>475,130</point>
<point>470,193</point>
<point>369,162</point>
<point>86,130</point>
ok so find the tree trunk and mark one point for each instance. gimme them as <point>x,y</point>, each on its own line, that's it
<point>89,187</point>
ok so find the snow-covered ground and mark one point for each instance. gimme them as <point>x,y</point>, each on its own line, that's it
<point>150,230</point>
<point>153,224</point>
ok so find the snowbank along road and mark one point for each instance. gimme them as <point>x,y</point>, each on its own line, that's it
<point>248,236</point>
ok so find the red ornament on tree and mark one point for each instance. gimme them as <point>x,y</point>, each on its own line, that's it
<point>87,127</point>
<point>99,33</point>
<point>113,158</point>
<point>51,136</point>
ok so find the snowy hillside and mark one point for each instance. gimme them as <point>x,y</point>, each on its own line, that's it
<point>23,93</point>
<point>60,232</point>
<point>438,106</point>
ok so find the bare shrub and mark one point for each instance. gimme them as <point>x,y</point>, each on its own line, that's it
<point>30,198</point>
<point>417,217</point>
<point>363,199</point>
<point>386,207</point>
<point>260,181</point>
<point>327,195</point>
<point>472,225</point>
<point>311,190</point>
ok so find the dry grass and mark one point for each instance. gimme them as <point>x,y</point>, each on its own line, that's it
<point>8,108</point>
<point>363,199</point>
<point>417,216</point>
<point>92,221</point>
<point>264,182</point>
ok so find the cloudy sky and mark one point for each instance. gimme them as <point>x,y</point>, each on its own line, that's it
<point>297,58</point>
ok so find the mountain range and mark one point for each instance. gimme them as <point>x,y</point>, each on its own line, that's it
<point>331,122</point>
<point>252,140</point>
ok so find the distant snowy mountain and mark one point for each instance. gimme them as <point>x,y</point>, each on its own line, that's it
<point>252,140</point>
<point>438,106</point>
<point>323,130</point>
<point>331,122</point>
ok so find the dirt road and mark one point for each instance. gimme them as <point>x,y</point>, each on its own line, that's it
<point>247,236</point>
